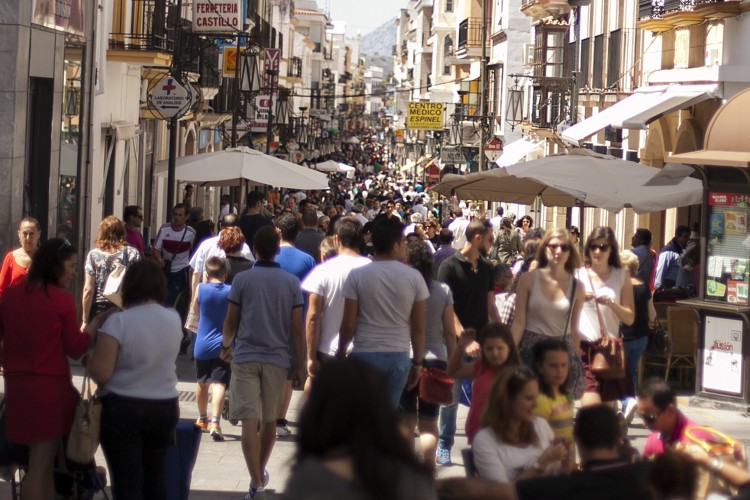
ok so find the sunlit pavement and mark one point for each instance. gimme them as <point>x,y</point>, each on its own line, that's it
<point>220,471</point>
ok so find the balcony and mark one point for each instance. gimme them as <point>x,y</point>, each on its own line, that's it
<point>539,9</point>
<point>550,104</point>
<point>470,38</point>
<point>657,16</point>
<point>260,34</point>
<point>147,39</point>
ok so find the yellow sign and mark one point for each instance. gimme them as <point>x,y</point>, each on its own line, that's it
<point>229,65</point>
<point>425,116</point>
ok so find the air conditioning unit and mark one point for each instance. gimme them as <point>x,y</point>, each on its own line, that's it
<point>528,54</point>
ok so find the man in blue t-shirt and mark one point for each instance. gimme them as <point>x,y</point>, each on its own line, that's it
<point>265,307</point>
<point>299,264</point>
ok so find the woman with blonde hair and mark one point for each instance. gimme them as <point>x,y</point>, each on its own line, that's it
<point>549,301</point>
<point>111,249</point>
<point>514,443</point>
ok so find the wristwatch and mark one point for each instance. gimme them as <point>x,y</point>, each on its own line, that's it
<point>225,347</point>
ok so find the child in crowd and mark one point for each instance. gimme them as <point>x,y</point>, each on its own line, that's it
<point>212,299</point>
<point>498,350</point>
<point>555,401</point>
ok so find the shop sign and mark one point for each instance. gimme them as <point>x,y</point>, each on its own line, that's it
<point>722,355</point>
<point>61,15</point>
<point>493,149</point>
<point>399,134</point>
<point>452,155</point>
<point>170,98</point>
<point>729,199</point>
<point>260,113</point>
<point>425,116</point>
<point>271,61</point>
<point>229,62</point>
<point>217,16</point>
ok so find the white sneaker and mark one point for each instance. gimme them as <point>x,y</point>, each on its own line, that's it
<point>283,431</point>
<point>629,410</point>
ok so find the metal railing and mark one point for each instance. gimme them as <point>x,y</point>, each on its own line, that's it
<point>295,67</point>
<point>655,9</point>
<point>148,29</point>
<point>470,33</point>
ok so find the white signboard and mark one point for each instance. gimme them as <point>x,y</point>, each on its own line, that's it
<point>260,111</point>
<point>452,155</point>
<point>722,355</point>
<point>170,98</point>
<point>217,16</point>
<point>492,155</point>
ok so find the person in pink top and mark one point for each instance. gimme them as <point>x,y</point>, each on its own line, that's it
<point>498,351</point>
<point>132,216</point>
<point>657,406</point>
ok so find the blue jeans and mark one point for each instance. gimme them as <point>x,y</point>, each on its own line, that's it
<point>178,283</point>
<point>634,349</point>
<point>394,366</point>
<point>447,422</point>
<point>135,435</point>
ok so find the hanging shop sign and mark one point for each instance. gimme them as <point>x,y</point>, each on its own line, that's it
<point>170,98</point>
<point>454,155</point>
<point>217,16</point>
<point>261,111</point>
<point>493,149</point>
<point>61,15</point>
<point>722,355</point>
<point>271,62</point>
<point>229,62</point>
<point>425,116</point>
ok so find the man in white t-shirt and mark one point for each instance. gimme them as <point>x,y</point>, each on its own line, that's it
<point>325,285</point>
<point>458,226</point>
<point>384,311</point>
<point>172,247</point>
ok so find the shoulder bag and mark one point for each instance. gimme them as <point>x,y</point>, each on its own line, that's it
<point>435,386</point>
<point>607,356</point>
<point>168,262</point>
<point>113,285</point>
<point>83,439</point>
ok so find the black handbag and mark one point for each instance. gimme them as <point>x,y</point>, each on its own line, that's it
<point>659,343</point>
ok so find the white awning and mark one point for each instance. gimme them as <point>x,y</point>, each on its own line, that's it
<point>638,110</point>
<point>516,151</point>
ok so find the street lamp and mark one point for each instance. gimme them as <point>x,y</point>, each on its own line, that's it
<point>250,80</point>
<point>282,115</point>
<point>514,109</point>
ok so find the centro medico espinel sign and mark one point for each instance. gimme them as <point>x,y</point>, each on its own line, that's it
<point>217,16</point>
<point>425,116</point>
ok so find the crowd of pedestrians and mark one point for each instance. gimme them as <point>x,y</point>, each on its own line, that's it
<point>354,295</point>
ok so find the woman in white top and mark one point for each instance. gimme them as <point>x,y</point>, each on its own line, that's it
<point>543,303</point>
<point>515,444</point>
<point>609,302</point>
<point>134,364</point>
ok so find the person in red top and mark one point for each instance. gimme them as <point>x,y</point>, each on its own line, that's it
<point>657,406</point>
<point>39,329</point>
<point>498,351</point>
<point>132,216</point>
<point>16,262</point>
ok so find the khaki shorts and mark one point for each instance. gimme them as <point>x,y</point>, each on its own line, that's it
<point>256,391</point>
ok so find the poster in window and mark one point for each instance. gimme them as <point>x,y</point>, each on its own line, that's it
<point>735,222</point>
<point>722,355</point>
<point>737,292</point>
<point>715,227</point>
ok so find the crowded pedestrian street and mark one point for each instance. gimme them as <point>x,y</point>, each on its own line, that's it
<point>404,250</point>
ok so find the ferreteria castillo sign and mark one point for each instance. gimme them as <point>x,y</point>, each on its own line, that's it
<point>217,16</point>
<point>425,116</point>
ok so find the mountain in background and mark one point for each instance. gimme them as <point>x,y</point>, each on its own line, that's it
<point>377,46</point>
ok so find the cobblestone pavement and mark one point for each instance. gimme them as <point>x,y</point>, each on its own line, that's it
<point>220,471</point>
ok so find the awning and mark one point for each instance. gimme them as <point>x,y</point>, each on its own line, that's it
<point>638,110</point>
<point>516,151</point>
<point>727,142</point>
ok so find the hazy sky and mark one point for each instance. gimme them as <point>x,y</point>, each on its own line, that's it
<point>363,15</point>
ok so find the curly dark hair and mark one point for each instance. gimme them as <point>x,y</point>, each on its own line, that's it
<point>418,257</point>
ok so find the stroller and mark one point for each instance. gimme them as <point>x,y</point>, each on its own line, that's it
<point>72,481</point>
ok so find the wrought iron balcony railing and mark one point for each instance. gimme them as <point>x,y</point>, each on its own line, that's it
<point>295,67</point>
<point>655,9</point>
<point>470,33</point>
<point>148,28</point>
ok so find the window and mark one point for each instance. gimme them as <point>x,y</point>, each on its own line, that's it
<point>446,70</point>
<point>549,51</point>
<point>447,46</point>
<point>448,5</point>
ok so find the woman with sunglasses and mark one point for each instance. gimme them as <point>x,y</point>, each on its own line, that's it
<point>549,302</point>
<point>609,302</point>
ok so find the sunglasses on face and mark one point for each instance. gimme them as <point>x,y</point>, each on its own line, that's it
<point>649,419</point>
<point>563,247</point>
<point>603,247</point>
